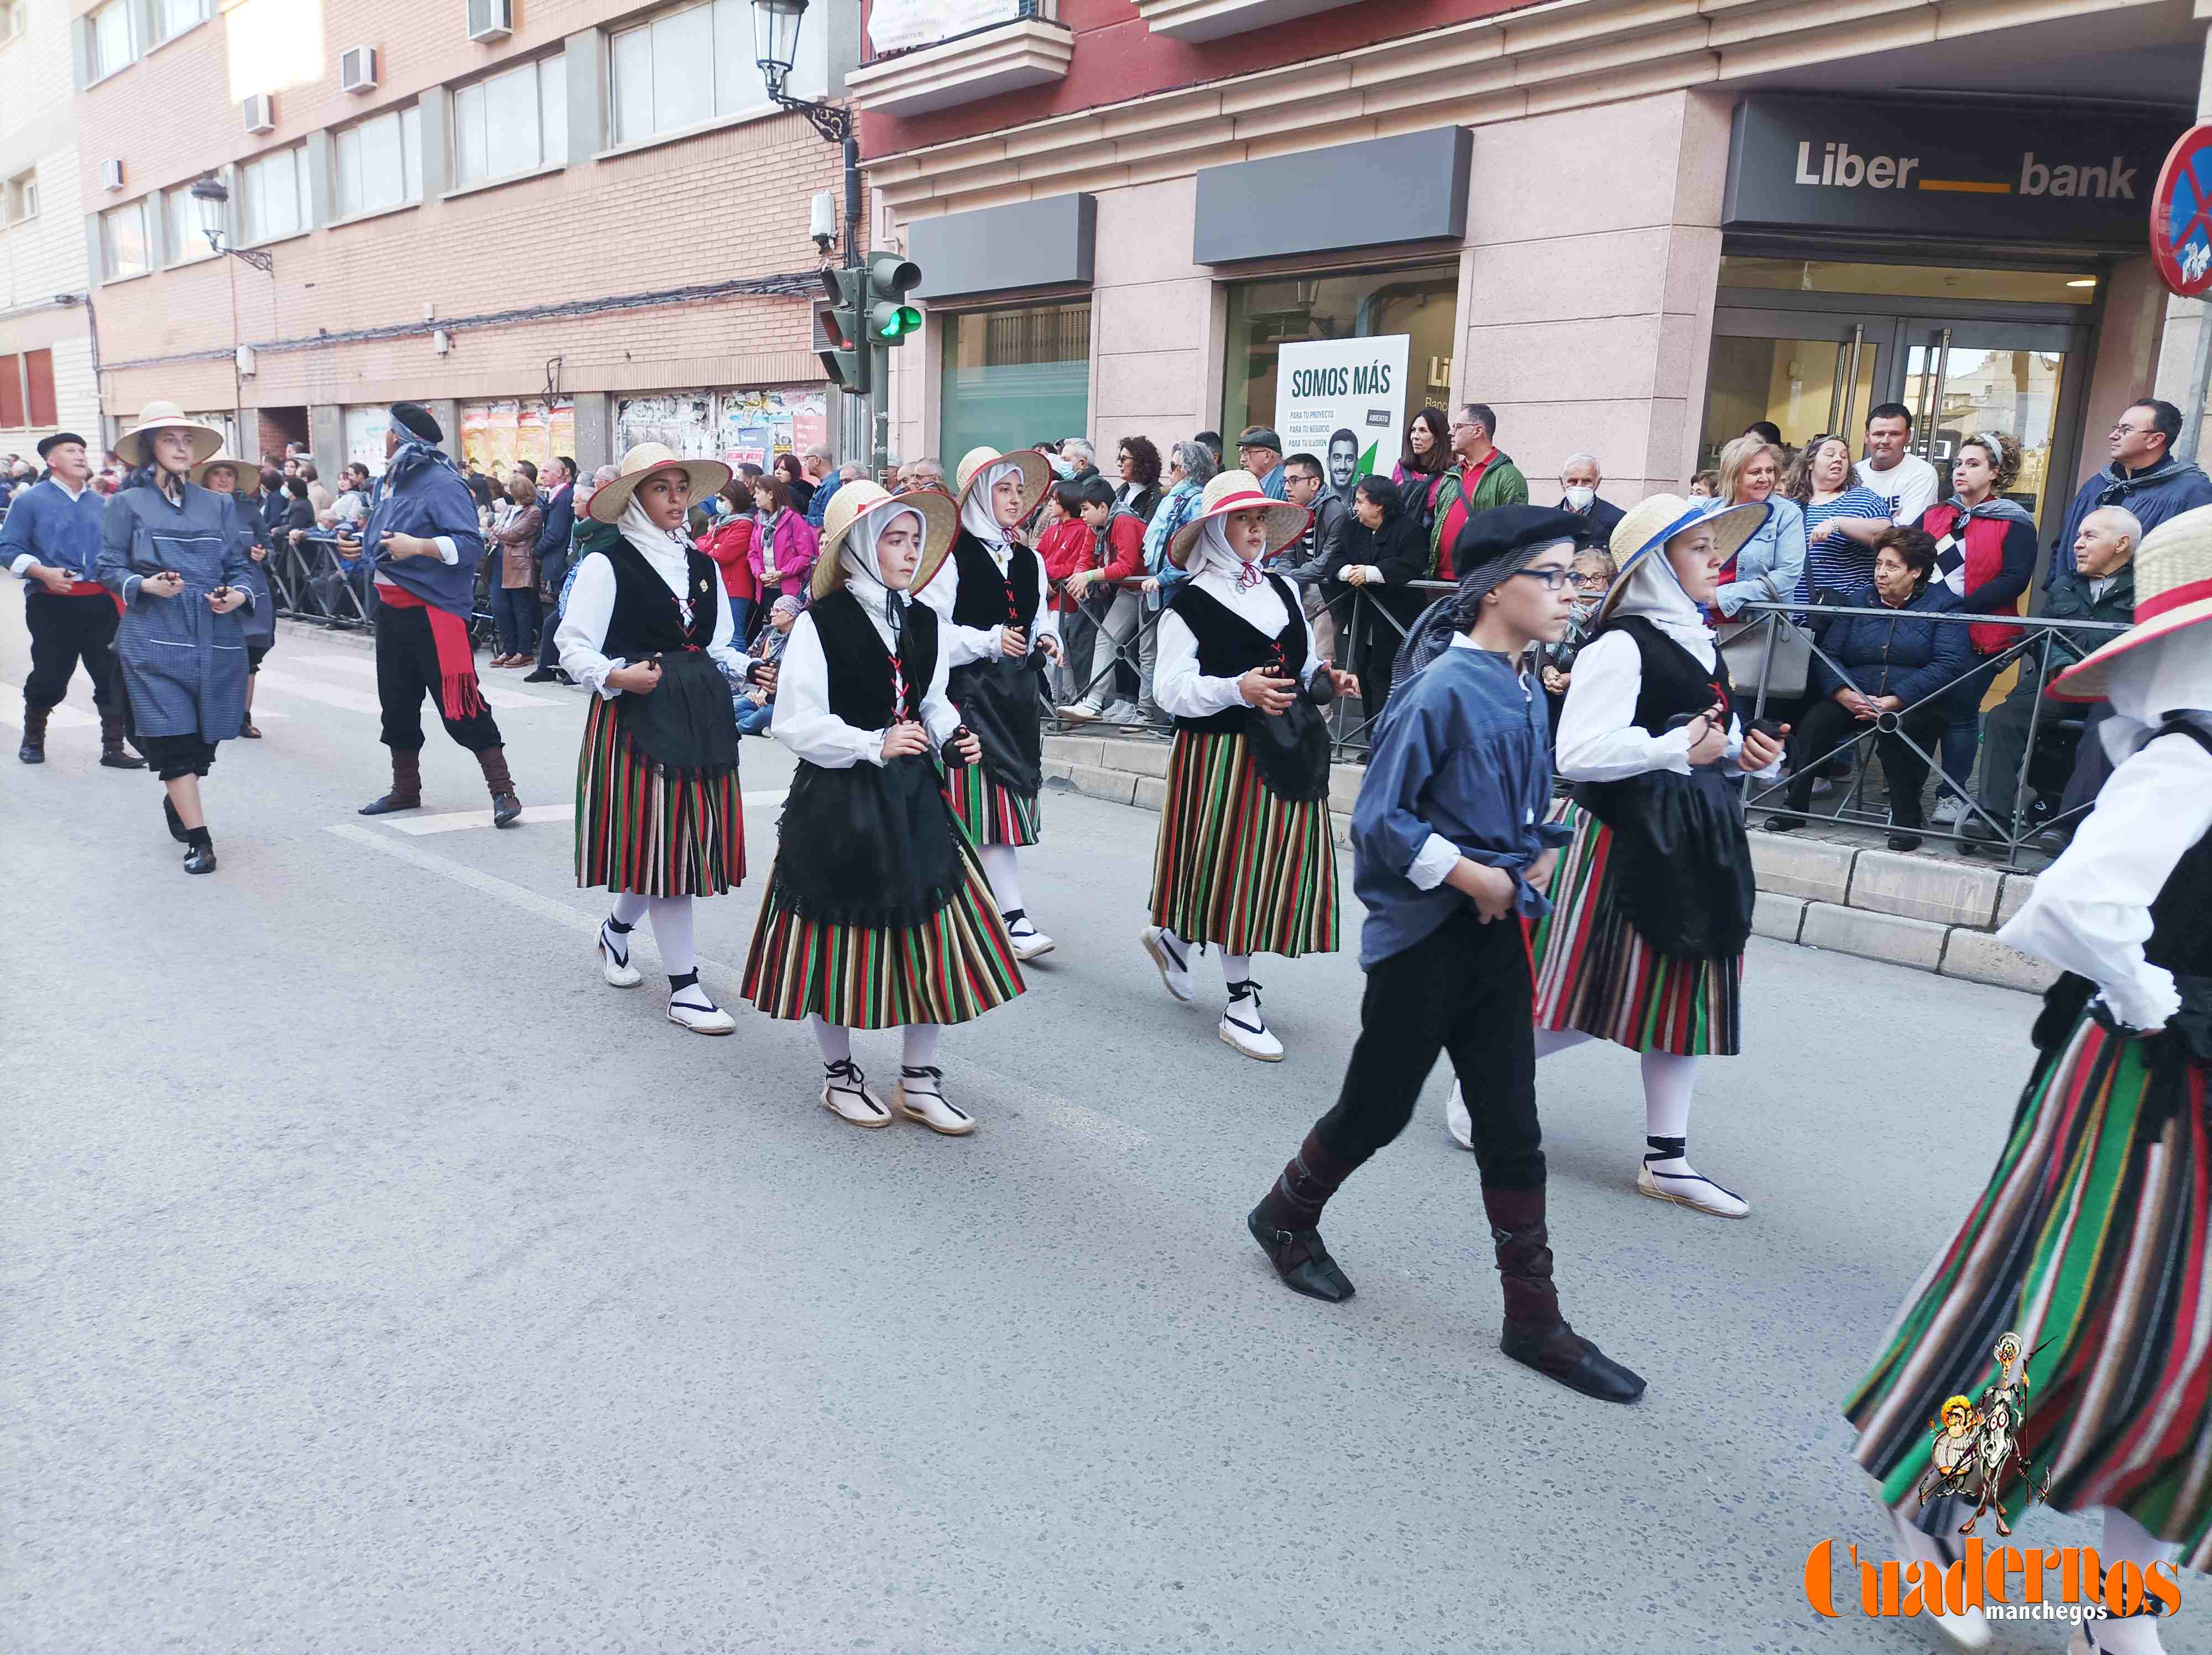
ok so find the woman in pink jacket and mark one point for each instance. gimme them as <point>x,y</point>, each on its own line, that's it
<point>784,551</point>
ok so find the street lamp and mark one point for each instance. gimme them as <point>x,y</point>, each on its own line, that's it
<point>208,190</point>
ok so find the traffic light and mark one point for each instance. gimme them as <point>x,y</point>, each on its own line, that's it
<point>891,319</point>
<point>844,354</point>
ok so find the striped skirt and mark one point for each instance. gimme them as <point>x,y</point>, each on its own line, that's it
<point>954,966</point>
<point>1236,867</point>
<point>2090,1243</point>
<point>637,831</point>
<point>1595,973</point>
<point>992,813</point>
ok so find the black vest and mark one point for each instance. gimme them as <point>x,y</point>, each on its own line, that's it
<point>645,620</point>
<point>2181,918</point>
<point>1674,683</point>
<point>860,668</point>
<point>987,598</point>
<point>1229,646</point>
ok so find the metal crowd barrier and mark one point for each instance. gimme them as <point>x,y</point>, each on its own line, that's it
<point>312,582</point>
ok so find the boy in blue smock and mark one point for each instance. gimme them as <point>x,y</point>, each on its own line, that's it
<point>1452,854</point>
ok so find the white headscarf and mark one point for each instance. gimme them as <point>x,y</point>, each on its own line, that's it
<point>856,556</point>
<point>648,536</point>
<point>1211,552</point>
<point>1655,591</point>
<point>976,515</point>
<point>2173,674</point>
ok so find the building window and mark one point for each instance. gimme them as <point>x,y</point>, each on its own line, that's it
<point>173,17</point>
<point>276,195</point>
<point>114,40</point>
<point>513,122</point>
<point>22,197</point>
<point>27,390</point>
<point>379,162</point>
<point>123,250</point>
<point>684,68</point>
<point>181,217</point>
<point>15,18</point>
<point>1013,376</point>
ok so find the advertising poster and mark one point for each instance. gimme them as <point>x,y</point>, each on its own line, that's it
<point>758,425</point>
<point>1344,399</point>
<point>682,421</point>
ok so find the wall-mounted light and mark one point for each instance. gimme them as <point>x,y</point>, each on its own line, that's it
<point>2083,281</point>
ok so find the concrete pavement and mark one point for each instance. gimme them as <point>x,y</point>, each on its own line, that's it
<point>378,1280</point>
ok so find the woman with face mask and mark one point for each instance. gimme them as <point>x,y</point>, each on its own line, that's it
<point>877,914</point>
<point>1247,858</point>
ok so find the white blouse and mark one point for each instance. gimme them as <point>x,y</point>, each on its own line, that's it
<point>1181,689</point>
<point>583,626</point>
<point>969,643</point>
<point>1599,740</point>
<point>804,722</point>
<point>2090,911</point>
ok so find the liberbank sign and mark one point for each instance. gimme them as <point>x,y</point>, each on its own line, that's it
<point>1984,172</point>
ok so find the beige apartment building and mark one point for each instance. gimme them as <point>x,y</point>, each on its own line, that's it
<point>565,225</point>
<point>45,332</point>
<point>1631,226</point>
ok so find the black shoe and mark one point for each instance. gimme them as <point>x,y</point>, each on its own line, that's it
<point>2051,841</point>
<point>1784,823</point>
<point>177,830</point>
<point>30,753</point>
<point>386,804</point>
<point>1559,1353</point>
<point>538,675</point>
<point>1903,840</point>
<point>1975,831</point>
<point>119,760</point>
<point>506,810</point>
<point>1316,1275</point>
<point>200,859</point>
<point>560,676</point>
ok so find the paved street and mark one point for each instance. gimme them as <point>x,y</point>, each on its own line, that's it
<point>377,1280</point>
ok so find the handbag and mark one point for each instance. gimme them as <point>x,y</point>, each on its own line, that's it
<point>1743,647</point>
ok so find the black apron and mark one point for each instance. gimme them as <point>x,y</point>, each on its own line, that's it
<point>1289,752</point>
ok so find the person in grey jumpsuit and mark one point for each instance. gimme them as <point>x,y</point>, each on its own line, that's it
<point>171,552</point>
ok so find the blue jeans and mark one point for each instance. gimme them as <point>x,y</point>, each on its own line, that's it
<point>1962,728</point>
<point>754,720</point>
<point>741,618</point>
<point>514,612</point>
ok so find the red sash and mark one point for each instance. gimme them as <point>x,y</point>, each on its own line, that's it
<point>459,692</point>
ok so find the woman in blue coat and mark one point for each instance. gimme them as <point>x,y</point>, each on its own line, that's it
<point>222,475</point>
<point>172,556</point>
<point>1895,665</point>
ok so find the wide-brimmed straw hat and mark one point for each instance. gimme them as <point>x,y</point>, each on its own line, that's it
<point>2173,589</point>
<point>239,467</point>
<point>940,521</point>
<point>1036,472</point>
<point>207,441</point>
<point>1646,527</point>
<point>611,500</point>
<point>1236,492</point>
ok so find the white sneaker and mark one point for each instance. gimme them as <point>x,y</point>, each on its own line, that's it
<point>1949,811</point>
<point>845,1094</point>
<point>1690,1187</point>
<point>1970,1630</point>
<point>920,1097</point>
<point>1029,942</point>
<point>1121,712</point>
<point>614,966</point>
<point>1457,1120</point>
<point>1244,1028</point>
<point>709,1019</point>
<point>1174,972</point>
<point>1082,712</point>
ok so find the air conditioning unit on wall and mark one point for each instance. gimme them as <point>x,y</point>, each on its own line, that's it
<point>357,69</point>
<point>491,20</point>
<point>261,113</point>
<point>111,175</point>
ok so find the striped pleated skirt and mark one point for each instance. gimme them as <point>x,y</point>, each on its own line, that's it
<point>2090,1243</point>
<point>952,967</point>
<point>1595,973</point>
<point>992,813</point>
<point>1235,866</point>
<point>637,831</point>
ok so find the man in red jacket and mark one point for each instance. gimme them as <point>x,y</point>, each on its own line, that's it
<point>1117,555</point>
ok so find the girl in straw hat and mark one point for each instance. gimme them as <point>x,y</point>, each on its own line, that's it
<point>175,556</point>
<point>878,914</point>
<point>2094,1238</point>
<point>1246,860</point>
<point>997,631</point>
<point>1651,903</point>
<point>648,630</point>
<point>221,475</point>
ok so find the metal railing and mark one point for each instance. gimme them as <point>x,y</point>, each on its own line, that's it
<point>312,582</point>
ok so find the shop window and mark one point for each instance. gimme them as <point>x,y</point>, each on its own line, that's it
<point>2077,286</point>
<point>1421,302</point>
<point>378,163</point>
<point>513,122</point>
<point>114,38</point>
<point>692,65</point>
<point>276,192</point>
<point>123,242</point>
<point>1012,378</point>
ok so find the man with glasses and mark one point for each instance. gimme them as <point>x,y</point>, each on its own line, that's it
<point>2145,476</point>
<point>1483,476</point>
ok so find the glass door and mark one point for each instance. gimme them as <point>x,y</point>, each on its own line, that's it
<point>1806,373</point>
<point>1964,377</point>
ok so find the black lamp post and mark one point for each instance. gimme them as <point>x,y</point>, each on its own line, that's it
<point>208,190</point>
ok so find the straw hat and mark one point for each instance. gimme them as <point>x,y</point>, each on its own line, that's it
<point>207,441</point>
<point>1651,522</point>
<point>940,521</point>
<point>1036,472</point>
<point>239,468</point>
<point>611,500</point>
<point>2173,589</point>
<point>1236,492</point>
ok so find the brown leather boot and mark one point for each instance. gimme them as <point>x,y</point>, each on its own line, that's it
<point>1287,1222</point>
<point>34,750</point>
<point>406,784</point>
<point>505,808</point>
<point>1536,1336</point>
<point>112,753</point>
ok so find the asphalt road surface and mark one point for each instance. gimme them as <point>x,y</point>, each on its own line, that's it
<point>378,1280</point>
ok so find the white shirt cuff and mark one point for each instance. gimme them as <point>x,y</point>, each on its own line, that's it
<point>1432,863</point>
<point>22,564</point>
<point>448,552</point>
<point>2148,1001</point>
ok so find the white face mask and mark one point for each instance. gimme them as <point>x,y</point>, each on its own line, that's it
<point>1579,498</point>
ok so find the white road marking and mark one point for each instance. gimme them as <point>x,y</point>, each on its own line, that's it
<point>452,821</point>
<point>307,689</point>
<point>63,717</point>
<point>493,692</point>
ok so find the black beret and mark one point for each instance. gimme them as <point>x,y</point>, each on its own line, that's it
<point>1494,543</point>
<point>414,419</point>
<point>47,445</point>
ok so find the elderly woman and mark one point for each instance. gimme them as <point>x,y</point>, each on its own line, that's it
<point>223,475</point>
<point>877,914</point>
<point>174,554</point>
<point>658,816</point>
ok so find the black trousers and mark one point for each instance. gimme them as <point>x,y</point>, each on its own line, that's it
<point>65,631</point>
<point>406,671</point>
<point>1826,723</point>
<point>552,570</point>
<point>1464,989</point>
